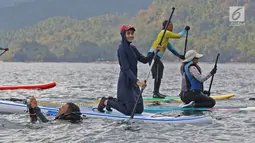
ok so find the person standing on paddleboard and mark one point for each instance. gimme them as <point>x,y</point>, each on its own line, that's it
<point>68,111</point>
<point>128,83</point>
<point>158,67</point>
<point>192,90</point>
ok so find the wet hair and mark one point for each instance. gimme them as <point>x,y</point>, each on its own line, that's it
<point>164,23</point>
<point>72,107</point>
<point>72,114</point>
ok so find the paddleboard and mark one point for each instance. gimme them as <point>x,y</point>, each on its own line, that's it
<point>146,99</point>
<point>38,86</point>
<point>177,98</point>
<point>230,108</point>
<point>12,107</point>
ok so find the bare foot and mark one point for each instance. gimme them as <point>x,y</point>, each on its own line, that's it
<point>105,102</point>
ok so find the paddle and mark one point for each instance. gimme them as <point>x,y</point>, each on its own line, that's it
<point>134,109</point>
<point>4,51</point>
<point>213,75</point>
<point>13,99</point>
<point>186,41</point>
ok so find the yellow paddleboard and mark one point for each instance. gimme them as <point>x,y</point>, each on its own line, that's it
<point>216,97</point>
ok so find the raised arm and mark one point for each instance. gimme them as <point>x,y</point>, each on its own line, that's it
<point>35,111</point>
<point>170,34</point>
<point>40,115</point>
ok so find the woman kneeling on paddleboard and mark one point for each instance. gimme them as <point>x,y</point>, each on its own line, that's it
<point>127,90</point>
<point>192,92</point>
<point>68,111</point>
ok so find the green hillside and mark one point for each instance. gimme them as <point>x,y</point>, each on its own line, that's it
<point>67,39</point>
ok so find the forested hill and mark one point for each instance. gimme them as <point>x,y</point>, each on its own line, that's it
<point>70,38</point>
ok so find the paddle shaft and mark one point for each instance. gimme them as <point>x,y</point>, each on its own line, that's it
<point>2,53</point>
<point>186,41</point>
<point>13,99</point>
<point>153,60</point>
<point>213,75</point>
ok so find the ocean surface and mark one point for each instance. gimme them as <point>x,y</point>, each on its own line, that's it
<point>84,82</point>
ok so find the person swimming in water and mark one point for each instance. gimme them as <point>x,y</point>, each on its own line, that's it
<point>68,111</point>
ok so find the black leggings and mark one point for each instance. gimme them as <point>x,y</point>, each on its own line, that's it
<point>157,68</point>
<point>126,108</point>
<point>200,99</point>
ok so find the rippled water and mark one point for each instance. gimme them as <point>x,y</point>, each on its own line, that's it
<point>83,82</point>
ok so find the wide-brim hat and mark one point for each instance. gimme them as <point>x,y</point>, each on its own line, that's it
<point>190,55</point>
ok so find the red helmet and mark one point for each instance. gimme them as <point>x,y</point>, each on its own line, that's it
<point>126,27</point>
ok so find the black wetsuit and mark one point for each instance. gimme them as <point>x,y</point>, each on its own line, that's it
<point>127,89</point>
